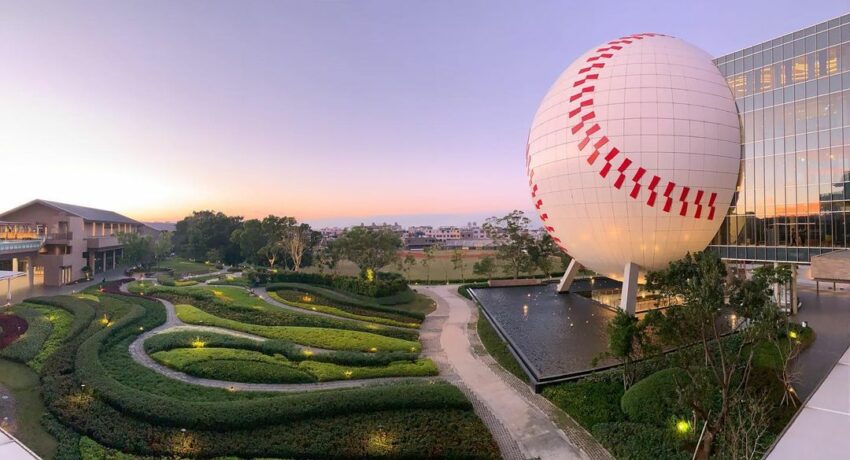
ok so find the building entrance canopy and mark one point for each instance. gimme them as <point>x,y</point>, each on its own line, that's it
<point>8,276</point>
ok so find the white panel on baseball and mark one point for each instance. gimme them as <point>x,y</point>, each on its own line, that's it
<point>633,154</point>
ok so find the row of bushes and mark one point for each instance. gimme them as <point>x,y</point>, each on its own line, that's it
<point>297,299</point>
<point>27,345</point>
<point>168,280</point>
<point>253,310</point>
<point>331,339</point>
<point>184,339</point>
<point>252,366</point>
<point>384,284</point>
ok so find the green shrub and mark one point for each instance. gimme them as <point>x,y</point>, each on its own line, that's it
<point>61,321</point>
<point>589,403</point>
<point>627,440</point>
<point>295,299</point>
<point>463,289</point>
<point>168,280</point>
<point>331,339</point>
<point>328,371</point>
<point>385,284</point>
<point>247,371</point>
<point>341,299</point>
<point>27,346</point>
<point>653,400</point>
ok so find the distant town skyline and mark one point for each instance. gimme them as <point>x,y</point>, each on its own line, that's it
<point>332,112</point>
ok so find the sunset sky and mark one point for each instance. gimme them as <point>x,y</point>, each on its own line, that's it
<point>334,112</point>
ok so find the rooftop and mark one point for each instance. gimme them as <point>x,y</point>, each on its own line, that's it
<point>90,214</point>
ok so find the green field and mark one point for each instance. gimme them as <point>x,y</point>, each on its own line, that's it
<point>441,266</point>
<point>183,267</point>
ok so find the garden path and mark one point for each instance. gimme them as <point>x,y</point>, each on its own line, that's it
<point>527,419</point>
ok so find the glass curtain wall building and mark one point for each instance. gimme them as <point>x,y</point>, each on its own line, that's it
<point>793,196</point>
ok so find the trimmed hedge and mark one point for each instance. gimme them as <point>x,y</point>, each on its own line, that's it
<point>331,339</point>
<point>232,365</point>
<point>235,304</point>
<point>168,280</point>
<point>326,371</point>
<point>184,339</point>
<point>653,400</point>
<point>384,285</point>
<point>27,346</point>
<point>346,299</point>
<point>294,298</point>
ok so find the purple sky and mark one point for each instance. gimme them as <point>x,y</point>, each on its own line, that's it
<point>335,112</point>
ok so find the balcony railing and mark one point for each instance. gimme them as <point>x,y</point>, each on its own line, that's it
<point>8,246</point>
<point>62,236</point>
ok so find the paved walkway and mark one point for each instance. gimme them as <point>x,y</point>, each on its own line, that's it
<point>173,323</point>
<point>516,415</point>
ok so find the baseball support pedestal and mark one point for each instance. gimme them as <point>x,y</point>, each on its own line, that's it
<point>628,297</point>
<point>569,276</point>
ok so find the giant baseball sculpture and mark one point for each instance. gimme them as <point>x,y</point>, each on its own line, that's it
<point>633,156</point>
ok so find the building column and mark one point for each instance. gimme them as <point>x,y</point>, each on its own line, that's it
<point>114,258</point>
<point>628,297</point>
<point>569,276</point>
<point>793,289</point>
<point>14,264</point>
<point>8,291</point>
<point>30,272</point>
<point>104,261</point>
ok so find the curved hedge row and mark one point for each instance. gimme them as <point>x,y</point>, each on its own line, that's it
<point>385,284</point>
<point>184,339</point>
<point>27,345</point>
<point>315,303</point>
<point>369,304</point>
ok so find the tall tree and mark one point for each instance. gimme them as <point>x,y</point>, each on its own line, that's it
<point>162,246</point>
<point>250,238</point>
<point>368,248</point>
<point>196,235</point>
<point>459,263</point>
<point>510,234</point>
<point>426,261</point>
<point>297,239</point>
<point>138,249</point>
<point>406,264</point>
<point>718,370</point>
<point>541,252</point>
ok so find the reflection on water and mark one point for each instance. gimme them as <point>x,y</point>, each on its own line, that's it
<point>557,334</point>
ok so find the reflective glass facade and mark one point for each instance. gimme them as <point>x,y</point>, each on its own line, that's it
<point>793,196</point>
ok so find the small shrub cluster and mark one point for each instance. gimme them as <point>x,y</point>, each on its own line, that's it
<point>653,400</point>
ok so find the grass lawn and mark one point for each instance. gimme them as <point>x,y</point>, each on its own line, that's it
<point>184,267</point>
<point>441,266</point>
<point>332,339</point>
<point>24,386</point>
<point>497,348</point>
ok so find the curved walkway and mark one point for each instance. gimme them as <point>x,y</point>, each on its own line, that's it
<point>172,322</point>
<point>518,414</point>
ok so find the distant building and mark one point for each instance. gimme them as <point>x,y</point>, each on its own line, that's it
<point>419,243</point>
<point>61,239</point>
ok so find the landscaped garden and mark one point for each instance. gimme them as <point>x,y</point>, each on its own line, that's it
<point>386,399</point>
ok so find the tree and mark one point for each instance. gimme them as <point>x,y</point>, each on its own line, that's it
<point>251,238</point>
<point>510,234</point>
<point>540,253</point>
<point>459,263</point>
<point>203,231</point>
<point>368,248</point>
<point>297,239</point>
<point>162,246</point>
<point>138,249</point>
<point>486,266</point>
<point>327,259</point>
<point>718,370</point>
<point>426,262</point>
<point>628,341</point>
<point>408,263</point>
